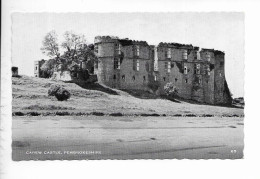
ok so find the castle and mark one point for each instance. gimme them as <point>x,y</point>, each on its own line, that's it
<point>198,74</point>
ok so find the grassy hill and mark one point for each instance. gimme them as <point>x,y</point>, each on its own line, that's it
<point>30,97</point>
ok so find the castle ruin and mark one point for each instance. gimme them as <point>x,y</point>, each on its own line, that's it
<point>198,74</point>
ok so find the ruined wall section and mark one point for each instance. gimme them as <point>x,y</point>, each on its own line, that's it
<point>132,70</point>
<point>203,89</point>
<point>181,69</point>
<point>37,68</point>
<point>222,93</point>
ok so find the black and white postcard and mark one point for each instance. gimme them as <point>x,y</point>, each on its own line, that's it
<point>127,86</point>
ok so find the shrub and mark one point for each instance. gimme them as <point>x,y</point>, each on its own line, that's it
<point>170,89</point>
<point>97,113</point>
<point>62,94</point>
<point>18,113</point>
<point>116,114</point>
<point>33,114</point>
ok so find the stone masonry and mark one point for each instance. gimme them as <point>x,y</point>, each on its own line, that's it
<point>198,74</point>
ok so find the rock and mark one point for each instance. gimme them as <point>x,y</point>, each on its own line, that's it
<point>59,92</point>
<point>53,90</point>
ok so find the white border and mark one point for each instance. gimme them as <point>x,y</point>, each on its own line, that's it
<point>213,169</point>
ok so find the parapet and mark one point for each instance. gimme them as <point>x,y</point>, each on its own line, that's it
<point>175,45</point>
<point>123,41</point>
<point>128,42</point>
<point>105,39</point>
<point>216,52</point>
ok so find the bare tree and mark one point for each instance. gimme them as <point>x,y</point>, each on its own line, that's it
<point>50,46</point>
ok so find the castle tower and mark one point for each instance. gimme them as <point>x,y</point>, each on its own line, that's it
<point>37,68</point>
<point>105,51</point>
<point>221,90</point>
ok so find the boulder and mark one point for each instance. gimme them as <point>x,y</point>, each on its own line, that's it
<point>53,89</point>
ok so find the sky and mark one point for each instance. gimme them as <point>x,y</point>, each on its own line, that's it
<point>218,30</point>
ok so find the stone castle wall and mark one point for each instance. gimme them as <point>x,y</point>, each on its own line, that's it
<point>199,75</point>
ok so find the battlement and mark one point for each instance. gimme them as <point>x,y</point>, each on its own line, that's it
<point>176,45</point>
<point>106,39</point>
<point>216,52</point>
<point>122,41</point>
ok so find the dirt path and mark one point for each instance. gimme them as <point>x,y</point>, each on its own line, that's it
<point>93,137</point>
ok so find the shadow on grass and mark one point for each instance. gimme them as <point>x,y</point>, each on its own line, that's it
<point>148,95</point>
<point>95,86</point>
<point>201,103</point>
<point>141,94</point>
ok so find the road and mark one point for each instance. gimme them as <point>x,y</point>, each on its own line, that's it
<point>102,137</point>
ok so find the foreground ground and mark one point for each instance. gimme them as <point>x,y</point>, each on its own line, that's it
<point>97,124</point>
<point>126,138</point>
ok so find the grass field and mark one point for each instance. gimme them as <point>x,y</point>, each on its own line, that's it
<point>31,95</point>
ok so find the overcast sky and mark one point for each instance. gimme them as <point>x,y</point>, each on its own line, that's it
<point>221,31</point>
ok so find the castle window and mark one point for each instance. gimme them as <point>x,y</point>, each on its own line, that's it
<point>118,48</point>
<point>116,63</point>
<point>208,70</point>
<point>184,54</point>
<point>137,50</point>
<point>144,78</point>
<point>169,67</point>
<point>164,78</point>
<point>35,68</point>
<point>114,77</point>
<point>208,57</point>
<point>123,77</point>
<point>176,79</point>
<point>198,55</point>
<point>195,55</point>
<point>169,54</point>
<point>133,78</point>
<point>186,80</point>
<point>197,71</point>
<point>137,65</point>
<point>185,70</point>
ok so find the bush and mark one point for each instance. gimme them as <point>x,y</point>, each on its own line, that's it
<point>62,94</point>
<point>170,89</point>
<point>116,114</point>
<point>97,113</point>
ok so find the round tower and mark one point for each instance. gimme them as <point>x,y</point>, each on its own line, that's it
<point>105,51</point>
